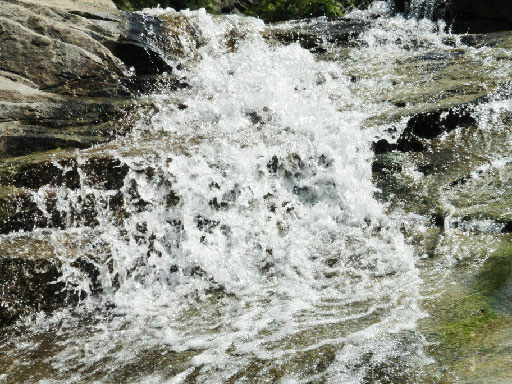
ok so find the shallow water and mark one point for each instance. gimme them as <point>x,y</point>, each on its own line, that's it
<point>250,246</point>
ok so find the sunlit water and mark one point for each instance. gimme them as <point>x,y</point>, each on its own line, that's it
<point>250,247</point>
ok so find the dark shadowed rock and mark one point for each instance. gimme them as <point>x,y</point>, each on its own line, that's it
<point>18,211</point>
<point>480,16</point>
<point>429,125</point>
<point>426,126</point>
<point>31,277</point>
<point>20,177</point>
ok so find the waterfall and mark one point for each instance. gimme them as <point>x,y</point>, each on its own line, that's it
<point>239,237</point>
<point>430,9</point>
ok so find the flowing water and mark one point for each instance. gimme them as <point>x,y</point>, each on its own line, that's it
<point>423,8</point>
<point>249,246</point>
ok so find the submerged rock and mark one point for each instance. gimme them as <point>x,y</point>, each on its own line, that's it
<point>473,318</point>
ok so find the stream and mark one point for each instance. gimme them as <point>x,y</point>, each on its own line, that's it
<point>249,239</point>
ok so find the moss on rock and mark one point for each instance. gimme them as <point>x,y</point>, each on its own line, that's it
<point>494,278</point>
<point>469,320</point>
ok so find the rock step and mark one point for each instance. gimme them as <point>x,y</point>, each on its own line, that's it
<point>426,126</point>
<point>40,126</point>
<point>21,177</point>
<point>448,166</point>
<point>30,286</point>
<point>31,269</point>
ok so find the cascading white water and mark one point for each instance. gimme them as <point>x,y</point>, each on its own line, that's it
<point>276,214</point>
<point>249,246</point>
<point>424,8</point>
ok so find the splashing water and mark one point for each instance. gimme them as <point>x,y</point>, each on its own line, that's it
<point>248,245</point>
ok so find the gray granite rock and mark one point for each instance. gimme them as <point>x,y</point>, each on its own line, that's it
<point>68,69</point>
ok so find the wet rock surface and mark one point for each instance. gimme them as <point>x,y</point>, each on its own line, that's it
<point>71,74</point>
<point>29,266</point>
<point>23,177</point>
<point>25,288</point>
<point>31,279</point>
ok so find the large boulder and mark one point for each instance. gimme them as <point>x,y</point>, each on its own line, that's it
<point>68,69</point>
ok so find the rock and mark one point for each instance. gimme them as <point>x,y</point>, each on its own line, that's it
<point>459,82</point>
<point>70,70</point>
<point>472,318</point>
<point>33,125</point>
<point>495,39</point>
<point>78,6</point>
<point>454,173</point>
<point>432,124</point>
<point>441,137</point>
<point>29,267</point>
<point>39,45</point>
<point>25,288</point>
<point>18,211</point>
<point>426,125</point>
<point>20,177</point>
